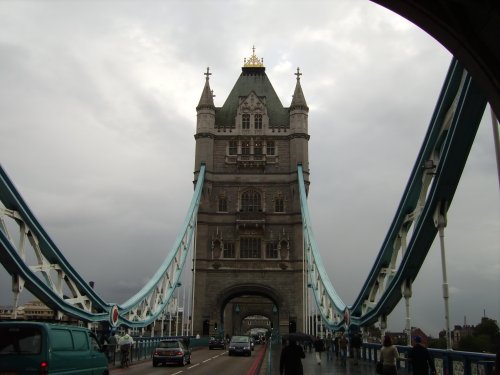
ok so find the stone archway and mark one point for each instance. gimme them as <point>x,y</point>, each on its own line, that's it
<point>236,302</point>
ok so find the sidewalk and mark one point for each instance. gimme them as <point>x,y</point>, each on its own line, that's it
<point>311,367</point>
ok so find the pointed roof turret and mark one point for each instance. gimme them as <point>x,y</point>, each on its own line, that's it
<point>298,99</point>
<point>207,96</point>
<point>253,78</point>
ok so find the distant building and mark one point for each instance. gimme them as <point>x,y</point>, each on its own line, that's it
<point>33,310</point>
<point>6,312</point>
<point>459,332</point>
<point>415,331</point>
<point>37,310</point>
<point>398,338</point>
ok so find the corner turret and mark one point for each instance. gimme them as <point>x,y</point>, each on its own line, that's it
<point>206,108</point>
<point>299,112</point>
<point>205,124</point>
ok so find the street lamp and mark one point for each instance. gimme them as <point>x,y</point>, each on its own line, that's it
<point>177,307</point>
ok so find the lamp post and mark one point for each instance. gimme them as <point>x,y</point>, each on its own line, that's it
<point>177,307</point>
<point>237,311</point>
<point>275,311</point>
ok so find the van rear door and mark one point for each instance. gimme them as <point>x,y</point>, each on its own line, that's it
<point>21,349</point>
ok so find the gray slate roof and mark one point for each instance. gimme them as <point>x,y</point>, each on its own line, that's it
<point>253,79</point>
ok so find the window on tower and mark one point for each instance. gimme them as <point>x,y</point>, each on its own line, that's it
<point>250,247</point>
<point>257,119</point>
<point>245,147</point>
<point>233,148</point>
<point>245,121</point>
<point>222,204</point>
<point>229,251</point>
<point>257,148</point>
<point>250,201</point>
<point>270,148</point>
<point>279,205</point>
<point>271,250</point>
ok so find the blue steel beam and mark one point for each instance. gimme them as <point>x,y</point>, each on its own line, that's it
<point>431,187</point>
<point>139,311</point>
<point>447,144</point>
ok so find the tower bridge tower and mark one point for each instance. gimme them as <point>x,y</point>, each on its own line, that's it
<point>249,244</point>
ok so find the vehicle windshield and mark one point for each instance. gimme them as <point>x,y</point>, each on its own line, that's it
<point>169,344</point>
<point>239,339</point>
<point>20,340</point>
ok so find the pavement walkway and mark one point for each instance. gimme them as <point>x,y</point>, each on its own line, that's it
<point>270,366</point>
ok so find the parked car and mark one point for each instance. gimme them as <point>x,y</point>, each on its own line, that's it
<point>45,348</point>
<point>171,352</point>
<point>215,342</point>
<point>240,345</point>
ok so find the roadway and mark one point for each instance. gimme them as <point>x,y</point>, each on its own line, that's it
<point>203,362</point>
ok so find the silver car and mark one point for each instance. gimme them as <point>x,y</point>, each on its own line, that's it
<point>171,352</point>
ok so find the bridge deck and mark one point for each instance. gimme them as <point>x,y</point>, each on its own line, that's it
<point>311,367</point>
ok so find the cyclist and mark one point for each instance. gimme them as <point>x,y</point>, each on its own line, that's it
<point>125,342</point>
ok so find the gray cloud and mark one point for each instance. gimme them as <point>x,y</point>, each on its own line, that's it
<point>97,116</point>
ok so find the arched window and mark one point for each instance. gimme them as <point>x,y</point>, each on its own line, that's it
<point>245,121</point>
<point>257,121</point>
<point>250,201</point>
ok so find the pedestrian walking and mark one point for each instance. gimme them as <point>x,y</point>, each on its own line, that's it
<point>329,347</point>
<point>420,359</point>
<point>343,342</point>
<point>291,359</point>
<point>336,346</point>
<point>112,344</point>
<point>389,355</point>
<point>319,347</point>
<point>355,347</point>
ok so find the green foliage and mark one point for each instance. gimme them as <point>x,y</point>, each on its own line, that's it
<point>439,343</point>
<point>487,327</point>
<point>485,338</point>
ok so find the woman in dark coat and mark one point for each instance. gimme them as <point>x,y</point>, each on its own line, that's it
<point>291,359</point>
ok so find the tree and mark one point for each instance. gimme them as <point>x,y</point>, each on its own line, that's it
<point>487,327</point>
<point>439,343</point>
<point>485,338</point>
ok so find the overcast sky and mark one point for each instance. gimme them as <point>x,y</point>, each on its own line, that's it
<point>97,117</point>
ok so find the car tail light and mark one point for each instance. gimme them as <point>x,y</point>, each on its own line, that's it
<point>44,368</point>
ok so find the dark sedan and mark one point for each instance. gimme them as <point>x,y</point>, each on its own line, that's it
<point>240,345</point>
<point>171,352</point>
<point>215,342</point>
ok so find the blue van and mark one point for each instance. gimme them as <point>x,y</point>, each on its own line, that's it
<point>45,348</point>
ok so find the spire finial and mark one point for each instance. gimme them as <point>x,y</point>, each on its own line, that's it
<point>298,74</point>
<point>207,74</point>
<point>253,61</point>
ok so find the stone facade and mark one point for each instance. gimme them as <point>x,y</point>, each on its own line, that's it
<point>249,244</point>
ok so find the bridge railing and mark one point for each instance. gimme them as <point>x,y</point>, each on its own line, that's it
<point>447,362</point>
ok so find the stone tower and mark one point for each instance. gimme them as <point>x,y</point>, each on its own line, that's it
<point>249,246</point>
